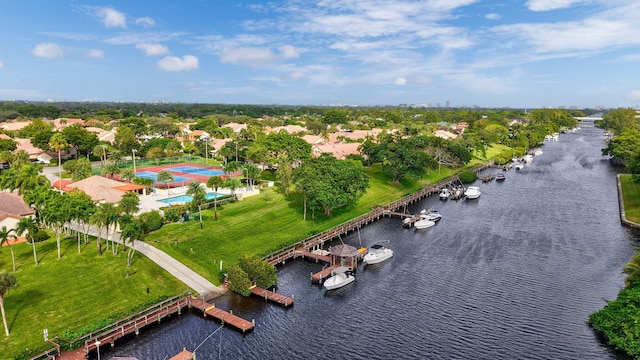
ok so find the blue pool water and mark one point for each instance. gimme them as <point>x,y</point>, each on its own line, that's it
<point>187,198</point>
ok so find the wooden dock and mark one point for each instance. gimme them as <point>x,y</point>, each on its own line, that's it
<point>488,178</point>
<point>133,324</point>
<point>227,318</point>
<point>183,355</point>
<point>272,296</point>
<point>301,251</point>
<point>292,251</point>
<point>324,273</point>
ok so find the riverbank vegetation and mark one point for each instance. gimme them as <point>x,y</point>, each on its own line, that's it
<point>256,225</point>
<point>619,320</point>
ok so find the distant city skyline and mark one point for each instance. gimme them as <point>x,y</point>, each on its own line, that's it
<point>465,53</point>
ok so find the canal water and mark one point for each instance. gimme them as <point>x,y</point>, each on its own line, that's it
<point>511,275</point>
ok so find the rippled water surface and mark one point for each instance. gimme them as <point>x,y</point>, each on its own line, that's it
<point>512,275</point>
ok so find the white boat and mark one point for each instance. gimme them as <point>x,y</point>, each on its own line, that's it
<point>377,254</point>
<point>555,136</point>
<point>339,278</point>
<point>423,223</point>
<point>527,158</point>
<point>537,152</point>
<point>519,166</point>
<point>548,137</point>
<point>445,194</point>
<point>473,192</point>
<point>431,215</point>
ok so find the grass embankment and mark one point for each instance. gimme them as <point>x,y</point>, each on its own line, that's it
<point>80,289</point>
<point>631,197</point>
<point>73,291</point>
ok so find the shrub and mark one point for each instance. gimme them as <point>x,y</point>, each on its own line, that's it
<point>174,213</point>
<point>151,221</point>
<point>468,177</point>
<point>41,235</point>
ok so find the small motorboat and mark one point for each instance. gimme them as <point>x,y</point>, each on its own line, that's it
<point>528,158</point>
<point>500,177</point>
<point>519,166</point>
<point>473,192</point>
<point>445,194</point>
<point>339,277</point>
<point>377,254</point>
<point>432,215</point>
<point>537,152</point>
<point>423,223</point>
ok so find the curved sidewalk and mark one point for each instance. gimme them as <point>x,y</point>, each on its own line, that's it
<point>180,271</point>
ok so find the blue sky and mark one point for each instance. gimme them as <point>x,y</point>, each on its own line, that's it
<point>533,53</point>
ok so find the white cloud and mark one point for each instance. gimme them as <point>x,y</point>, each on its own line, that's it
<point>95,53</point>
<point>617,27</point>
<point>288,52</point>
<point>145,21</point>
<point>547,5</point>
<point>47,50</point>
<point>493,16</point>
<point>153,49</point>
<point>247,56</point>
<point>111,17</point>
<point>174,63</point>
<point>400,81</point>
<point>634,96</point>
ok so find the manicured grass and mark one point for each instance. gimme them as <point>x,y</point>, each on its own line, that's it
<point>631,196</point>
<point>74,291</point>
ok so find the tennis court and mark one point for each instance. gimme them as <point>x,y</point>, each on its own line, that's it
<point>182,174</point>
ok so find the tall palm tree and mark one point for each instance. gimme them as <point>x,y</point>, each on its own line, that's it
<point>131,232</point>
<point>99,220</point>
<point>215,182</point>
<point>28,225</point>
<point>165,176</point>
<point>58,143</point>
<point>7,282</point>
<point>5,237</point>
<point>198,192</point>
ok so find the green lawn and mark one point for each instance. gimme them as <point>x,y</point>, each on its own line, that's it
<point>631,196</point>
<point>74,291</point>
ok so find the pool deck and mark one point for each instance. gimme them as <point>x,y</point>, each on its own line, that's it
<point>152,201</point>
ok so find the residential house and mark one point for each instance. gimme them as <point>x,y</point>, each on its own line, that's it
<point>12,209</point>
<point>101,189</point>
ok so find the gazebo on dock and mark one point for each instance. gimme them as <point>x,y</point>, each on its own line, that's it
<point>344,255</point>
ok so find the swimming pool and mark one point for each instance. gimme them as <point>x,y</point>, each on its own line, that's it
<point>186,198</point>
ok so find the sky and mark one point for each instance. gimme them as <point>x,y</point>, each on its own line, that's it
<point>507,53</point>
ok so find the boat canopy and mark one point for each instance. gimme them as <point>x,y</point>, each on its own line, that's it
<point>340,270</point>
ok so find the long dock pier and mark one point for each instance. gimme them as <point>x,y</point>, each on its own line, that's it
<point>316,241</point>
<point>227,318</point>
<point>272,296</point>
<point>133,324</point>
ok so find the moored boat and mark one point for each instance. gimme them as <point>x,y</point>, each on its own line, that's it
<point>339,278</point>
<point>473,192</point>
<point>377,254</point>
<point>500,177</point>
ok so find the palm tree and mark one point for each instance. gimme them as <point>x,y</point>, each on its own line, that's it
<point>233,184</point>
<point>165,176</point>
<point>251,173</point>
<point>131,232</point>
<point>197,191</point>
<point>5,237</point>
<point>29,177</point>
<point>632,269</point>
<point>28,225</point>
<point>110,168</point>
<point>7,282</point>
<point>215,182</point>
<point>58,143</point>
